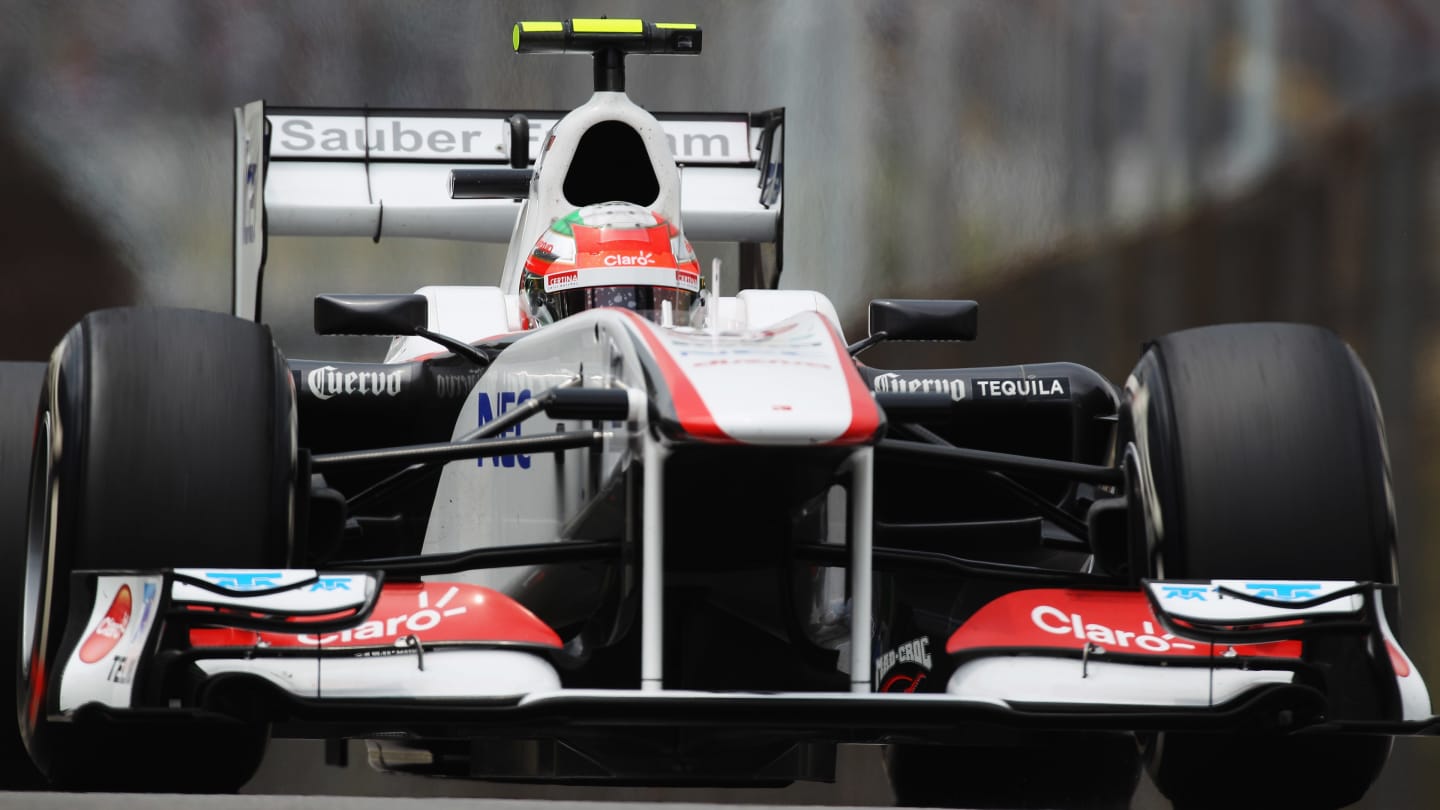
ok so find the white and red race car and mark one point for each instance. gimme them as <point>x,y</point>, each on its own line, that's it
<point>612,549</point>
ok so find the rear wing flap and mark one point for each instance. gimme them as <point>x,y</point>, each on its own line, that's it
<point>386,173</point>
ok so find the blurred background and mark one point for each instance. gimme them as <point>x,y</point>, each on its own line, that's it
<point>1095,173</point>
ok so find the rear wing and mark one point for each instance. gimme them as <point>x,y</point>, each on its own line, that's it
<point>387,173</point>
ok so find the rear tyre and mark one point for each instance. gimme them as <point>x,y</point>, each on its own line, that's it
<point>1079,771</point>
<point>1262,455</point>
<point>19,391</point>
<point>165,439</point>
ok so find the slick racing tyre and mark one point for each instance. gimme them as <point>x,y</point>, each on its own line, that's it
<point>19,391</point>
<point>166,438</point>
<point>1261,454</point>
<point>1079,771</point>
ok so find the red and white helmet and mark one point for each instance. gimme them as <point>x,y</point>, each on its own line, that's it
<point>613,254</point>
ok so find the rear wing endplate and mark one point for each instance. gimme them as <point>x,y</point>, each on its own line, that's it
<point>386,173</point>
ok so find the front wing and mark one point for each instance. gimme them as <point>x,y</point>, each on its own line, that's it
<point>346,654</point>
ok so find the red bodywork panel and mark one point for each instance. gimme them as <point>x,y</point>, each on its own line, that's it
<point>432,612</point>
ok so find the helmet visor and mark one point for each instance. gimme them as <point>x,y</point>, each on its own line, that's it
<point>667,306</point>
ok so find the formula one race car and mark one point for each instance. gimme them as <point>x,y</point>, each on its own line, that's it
<point>601,524</point>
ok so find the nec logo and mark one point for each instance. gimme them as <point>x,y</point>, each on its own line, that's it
<point>488,410</point>
<point>643,259</point>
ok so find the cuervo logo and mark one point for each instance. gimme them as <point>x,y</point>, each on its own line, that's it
<point>328,381</point>
<point>895,384</point>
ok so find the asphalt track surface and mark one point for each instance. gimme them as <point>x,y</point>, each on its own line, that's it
<point>294,778</point>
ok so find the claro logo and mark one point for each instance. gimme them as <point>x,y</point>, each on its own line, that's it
<point>328,381</point>
<point>111,627</point>
<point>1056,621</point>
<point>396,627</point>
<point>642,259</point>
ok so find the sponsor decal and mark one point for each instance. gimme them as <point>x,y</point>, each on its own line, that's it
<point>1027,388</point>
<point>331,584</point>
<point>644,258</point>
<point>780,346</point>
<point>1115,621</point>
<point>1187,592</point>
<point>265,580</point>
<point>147,602</point>
<point>698,144</point>
<point>110,628</point>
<point>892,383</point>
<point>476,138</point>
<point>488,410</point>
<point>560,281</point>
<point>432,612</point>
<point>122,670</point>
<point>1276,591</point>
<point>1284,591</point>
<point>454,386</point>
<point>397,626</point>
<point>398,138</point>
<point>916,653</point>
<point>328,381</point>
<point>1054,620</point>
<point>687,281</point>
<point>903,683</point>
<point>245,581</point>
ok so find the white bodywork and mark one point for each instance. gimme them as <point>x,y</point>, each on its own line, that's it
<point>101,668</point>
<point>459,674</point>
<point>786,385</point>
<point>1206,603</point>
<point>1031,679</point>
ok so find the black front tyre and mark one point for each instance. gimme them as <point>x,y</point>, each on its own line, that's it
<point>1262,456</point>
<point>166,439</point>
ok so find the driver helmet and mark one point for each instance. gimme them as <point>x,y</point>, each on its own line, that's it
<point>613,254</point>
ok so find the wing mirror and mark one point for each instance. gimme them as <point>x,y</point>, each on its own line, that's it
<point>371,314</point>
<point>920,319</point>
<point>923,319</point>
<point>388,315</point>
